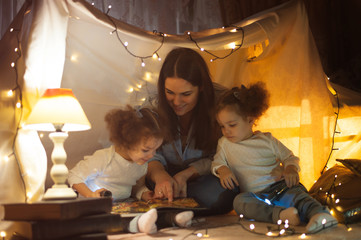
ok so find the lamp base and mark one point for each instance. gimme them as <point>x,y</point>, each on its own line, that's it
<point>59,192</point>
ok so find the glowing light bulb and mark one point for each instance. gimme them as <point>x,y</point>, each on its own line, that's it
<point>18,105</point>
<point>16,49</point>
<point>323,221</point>
<point>143,64</point>
<point>110,6</point>
<point>240,215</point>
<point>139,85</point>
<point>125,44</point>
<point>29,194</point>
<point>303,236</point>
<point>130,89</point>
<point>202,49</point>
<point>11,29</point>
<point>337,200</point>
<point>279,222</point>
<point>282,231</point>
<point>74,58</point>
<point>269,234</point>
<point>12,64</point>
<point>232,45</point>
<point>189,33</point>
<point>234,30</point>
<point>10,93</point>
<point>199,234</point>
<point>251,227</point>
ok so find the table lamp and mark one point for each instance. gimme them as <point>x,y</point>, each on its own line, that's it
<point>58,111</point>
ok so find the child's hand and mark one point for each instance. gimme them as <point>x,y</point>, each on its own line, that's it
<point>148,195</point>
<point>291,175</point>
<point>277,172</point>
<point>228,180</point>
<point>97,192</point>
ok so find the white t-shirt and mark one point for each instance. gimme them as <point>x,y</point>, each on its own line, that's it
<point>107,169</point>
<point>253,159</point>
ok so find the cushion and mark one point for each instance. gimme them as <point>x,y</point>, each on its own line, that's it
<point>345,187</point>
<point>353,164</point>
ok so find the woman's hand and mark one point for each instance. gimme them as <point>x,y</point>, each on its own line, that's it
<point>165,185</point>
<point>228,180</point>
<point>291,175</point>
<point>181,180</point>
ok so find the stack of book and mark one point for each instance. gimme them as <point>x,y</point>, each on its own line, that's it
<point>88,218</point>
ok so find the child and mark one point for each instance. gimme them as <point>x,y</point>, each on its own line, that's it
<point>136,134</point>
<point>255,159</point>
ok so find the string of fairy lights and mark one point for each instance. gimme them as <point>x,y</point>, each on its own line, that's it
<point>337,112</point>
<point>17,91</point>
<point>279,230</point>
<point>155,54</point>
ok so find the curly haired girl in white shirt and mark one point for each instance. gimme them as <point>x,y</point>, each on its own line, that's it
<point>136,134</point>
<point>250,160</point>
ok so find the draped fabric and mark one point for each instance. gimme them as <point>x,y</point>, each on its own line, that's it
<point>72,44</point>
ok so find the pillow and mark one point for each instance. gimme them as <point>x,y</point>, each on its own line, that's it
<point>353,164</point>
<point>342,183</point>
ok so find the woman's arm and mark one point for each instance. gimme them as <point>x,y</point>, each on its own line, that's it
<point>182,178</point>
<point>165,185</point>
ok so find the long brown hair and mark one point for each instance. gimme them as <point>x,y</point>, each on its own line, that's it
<point>189,65</point>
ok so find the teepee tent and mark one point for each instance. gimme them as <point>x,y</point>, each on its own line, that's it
<point>108,63</point>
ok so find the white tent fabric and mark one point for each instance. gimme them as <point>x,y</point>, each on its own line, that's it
<point>68,44</point>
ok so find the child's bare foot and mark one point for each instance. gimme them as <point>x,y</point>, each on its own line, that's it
<point>290,214</point>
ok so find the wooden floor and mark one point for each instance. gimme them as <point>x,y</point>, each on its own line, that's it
<point>229,227</point>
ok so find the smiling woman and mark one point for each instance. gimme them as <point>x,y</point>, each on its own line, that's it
<point>181,167</point>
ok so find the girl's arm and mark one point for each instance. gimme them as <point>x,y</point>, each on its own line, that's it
<point>83,190</point>
<point>227,178</point>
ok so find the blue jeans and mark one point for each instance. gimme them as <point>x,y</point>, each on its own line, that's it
<point>253,206</point>
<point>209,193</point>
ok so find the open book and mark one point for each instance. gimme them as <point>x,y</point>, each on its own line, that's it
<point>136,207</point>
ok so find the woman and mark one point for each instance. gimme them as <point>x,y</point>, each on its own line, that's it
<point>181,168</point>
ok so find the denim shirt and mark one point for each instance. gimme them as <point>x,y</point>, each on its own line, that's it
<point>171,155</point>
<point>175,160</point>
